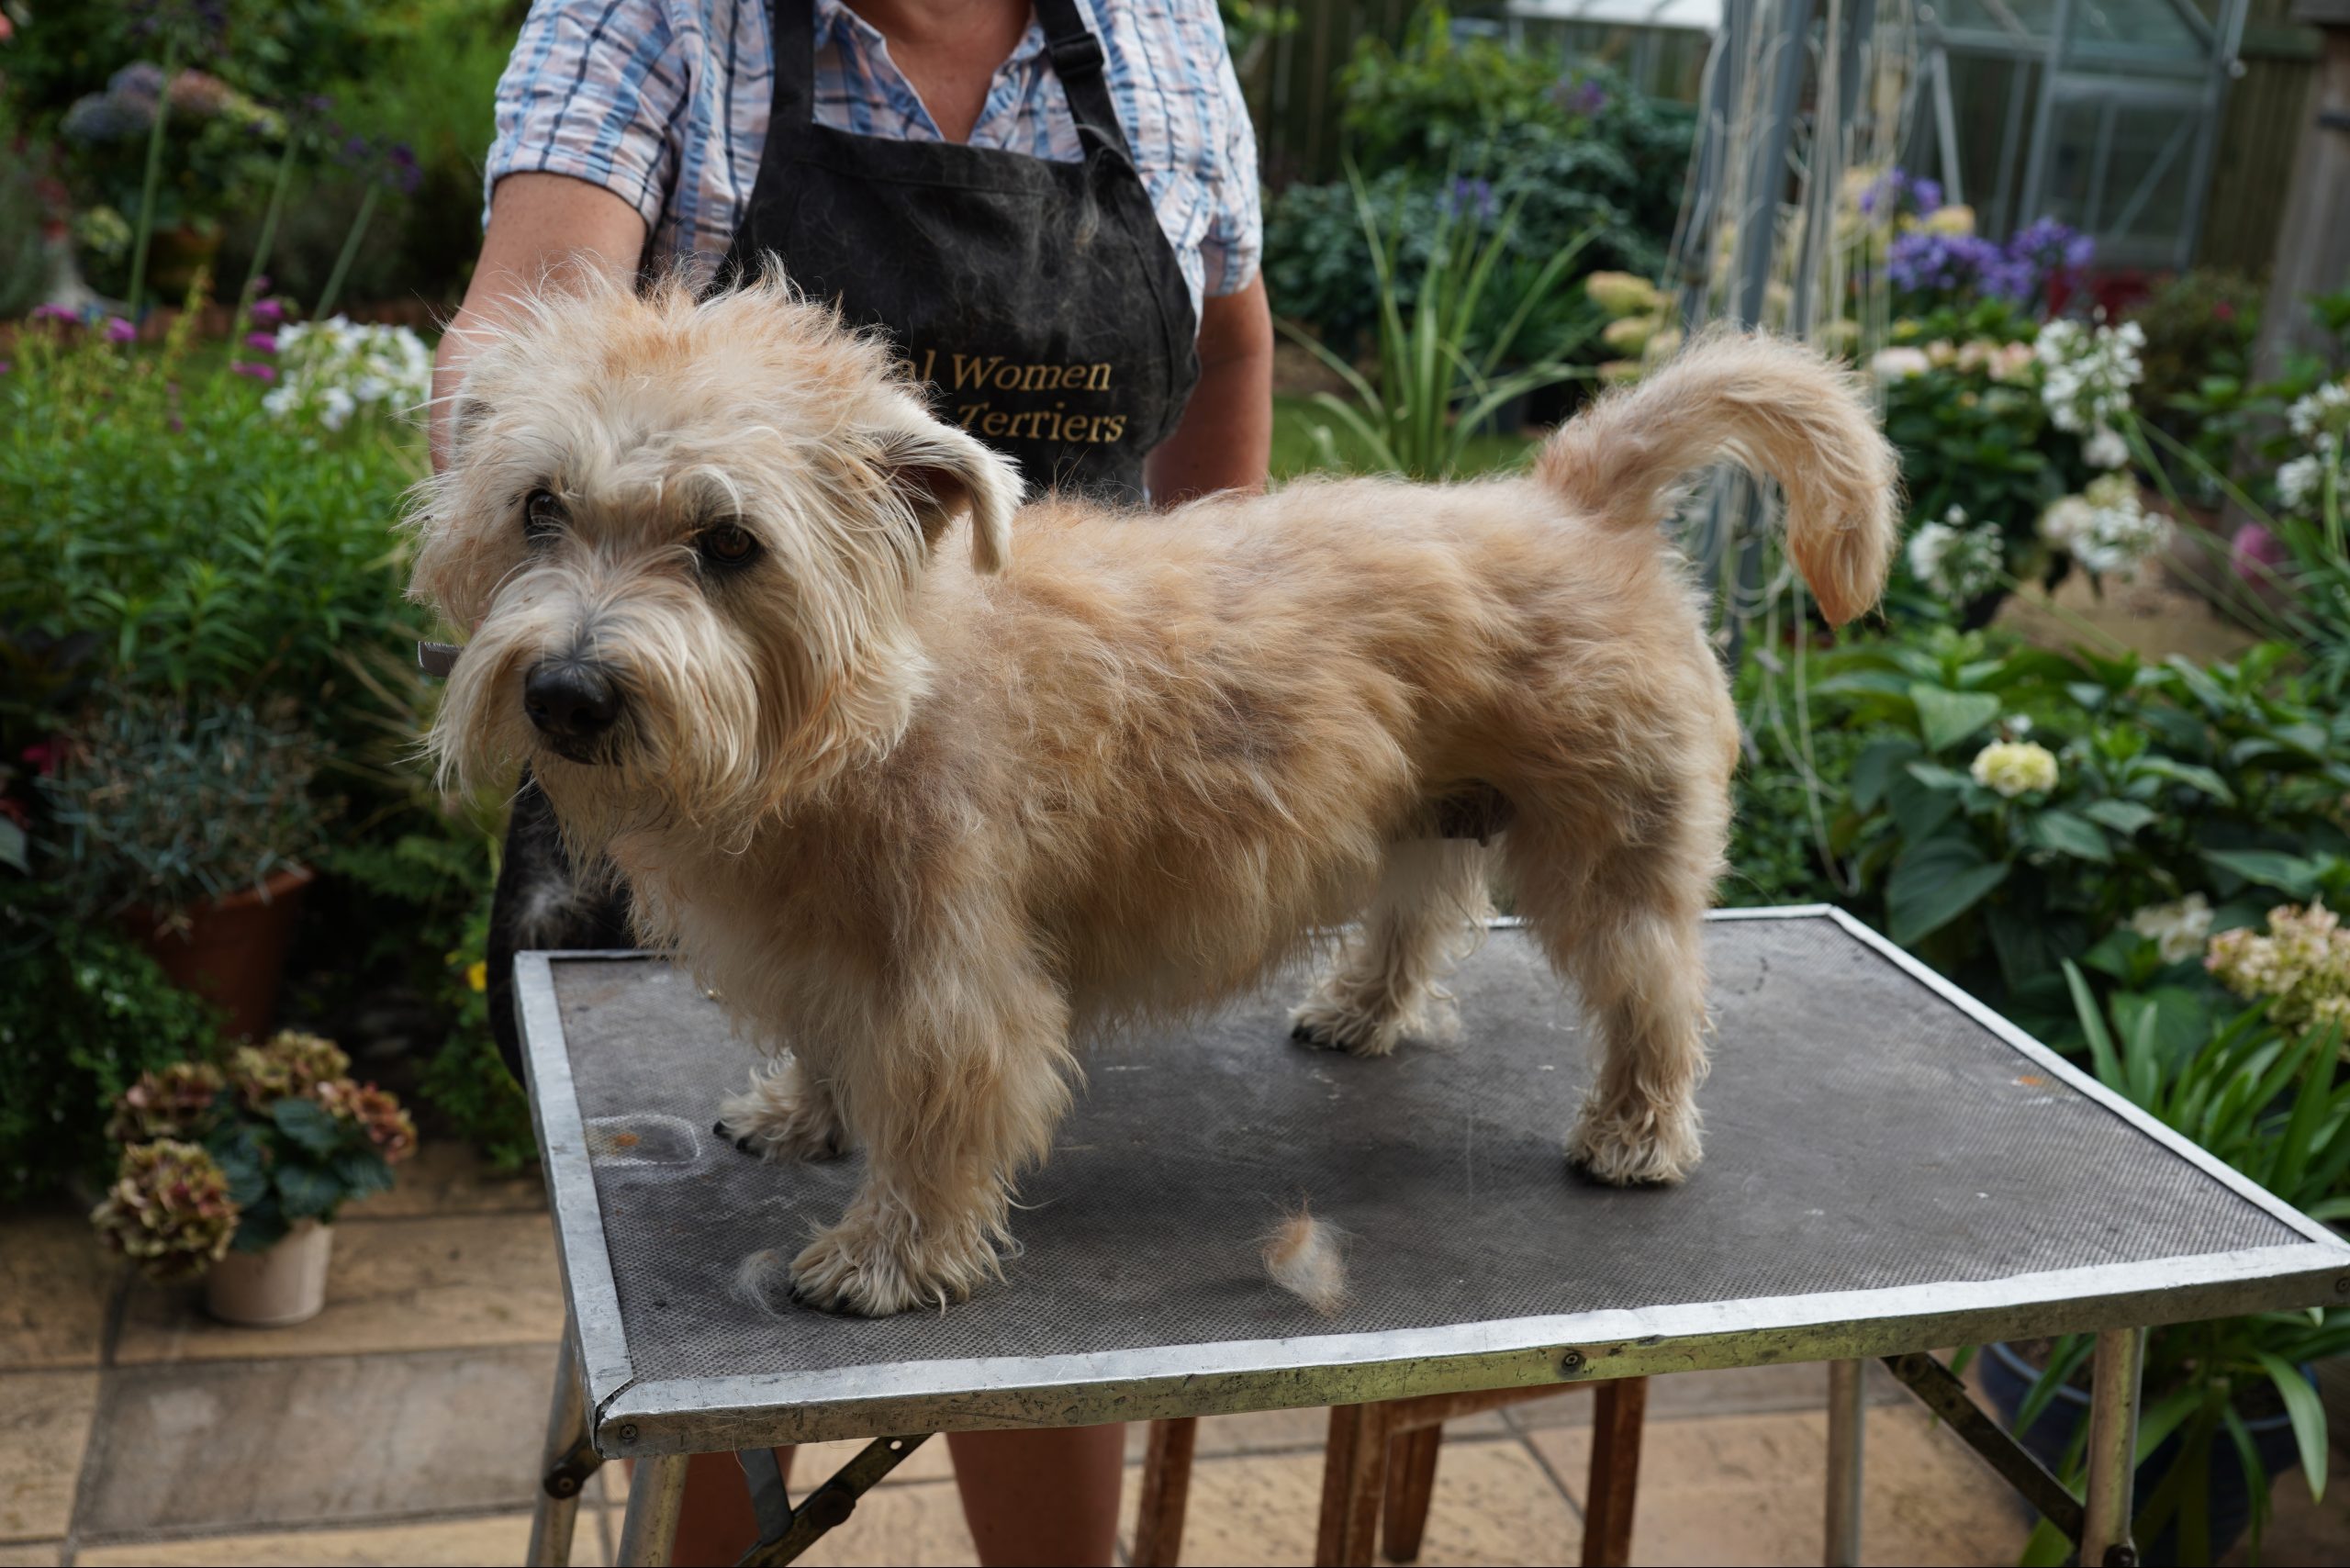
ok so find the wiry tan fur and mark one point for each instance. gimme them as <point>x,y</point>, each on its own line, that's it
<point>933,790</point>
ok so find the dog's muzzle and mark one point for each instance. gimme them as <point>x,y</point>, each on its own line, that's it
<point>573,703</point>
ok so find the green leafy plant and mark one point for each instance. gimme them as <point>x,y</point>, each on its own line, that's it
<point>217,550</point>
<point>289,1134</point>
<point>2266,1101</point>
<point>2124,786</point>
<point>83,1013</point>
<point>1431,394</point>
<point>159,807</point>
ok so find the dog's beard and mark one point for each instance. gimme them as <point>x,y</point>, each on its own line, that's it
<point>724,722</point>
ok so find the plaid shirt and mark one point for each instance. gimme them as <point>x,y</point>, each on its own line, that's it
<point>664,103</point>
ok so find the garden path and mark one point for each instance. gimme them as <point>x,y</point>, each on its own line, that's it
<point>402,1425</point>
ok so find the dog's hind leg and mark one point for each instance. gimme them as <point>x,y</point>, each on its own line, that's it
<point>1627,926</point>
<point>786,1114</point>
<point>955,1090</point>
<point>1383,985</point>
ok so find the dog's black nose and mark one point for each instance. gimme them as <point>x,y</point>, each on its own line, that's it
<point>570,700</point>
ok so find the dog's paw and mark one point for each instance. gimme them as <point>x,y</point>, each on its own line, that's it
<point>858,1269</point>
<point>783,1116</point>
<point>1325,1024</point>
<point>1633,1149</point>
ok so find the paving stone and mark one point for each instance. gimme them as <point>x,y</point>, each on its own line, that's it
<point>1734,1391</point>
<point>47,1417</point>
<point>317,1441</point>
<point>1750,1489</point>
<point>1279,1431</point>
<point>393,1285</point>
<point>2303,1529</point>
<point>919,1523</point>
<point>1493,1504</point>
<point>448,1178</point>
<point>496,1537</point>
<point>55,1281</point>
<point>33,1554</point>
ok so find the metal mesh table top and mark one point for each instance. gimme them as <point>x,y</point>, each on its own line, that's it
<point>1876,1151</point>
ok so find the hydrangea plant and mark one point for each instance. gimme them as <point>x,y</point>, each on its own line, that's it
<point>218,1158</point>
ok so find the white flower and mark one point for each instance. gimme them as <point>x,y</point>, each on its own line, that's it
<point>2013,767</point>
<point>2105,448</point>
<point>335,368</point>
<point>1956,560</point>
<point>2323,413</point>
<point>2106,528</point>
<point>1899,363</point>
<point>2178,929</point>
<point>2087,374</point>
<point>2299,482</point>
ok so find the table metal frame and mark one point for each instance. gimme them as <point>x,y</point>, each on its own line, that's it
<point>601,1409</point>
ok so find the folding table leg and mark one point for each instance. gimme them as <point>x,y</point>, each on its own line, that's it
<point>656,1495</point>
<point>1354,1473</point>
<point>1847,1420</point>
<point>2112,1459</point>
<point>565,1463</point>
<point>1165,1493</point>
<point>1619,1417</point>
<point>1410,1486</point>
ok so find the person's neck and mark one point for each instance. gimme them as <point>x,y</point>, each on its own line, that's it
<point>934,22</point>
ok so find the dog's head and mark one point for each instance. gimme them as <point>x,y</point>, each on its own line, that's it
<point>685,534</point>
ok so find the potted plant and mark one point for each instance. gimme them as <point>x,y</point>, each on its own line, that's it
<point>193,827</point>
<point>2228,1405</point>
<point>236,1173</point>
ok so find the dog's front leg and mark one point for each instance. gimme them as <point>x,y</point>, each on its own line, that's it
<point>958,1088</point>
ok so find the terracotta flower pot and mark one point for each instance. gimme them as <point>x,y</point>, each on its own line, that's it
<point>231,950</point>
<point>268,1289</point>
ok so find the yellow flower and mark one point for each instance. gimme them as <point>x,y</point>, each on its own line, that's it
<point>1630,334</point>
<point>478,975</point>
<point>1950,220</point>
<point>2013,767</point>
<point>1622,293</point>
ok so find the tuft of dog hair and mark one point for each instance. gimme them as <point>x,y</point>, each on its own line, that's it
<point>1306,1256</point>
<point>931,792</point>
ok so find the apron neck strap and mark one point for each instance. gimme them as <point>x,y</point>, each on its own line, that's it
<point>791,32</point>
<point>1077,59</point>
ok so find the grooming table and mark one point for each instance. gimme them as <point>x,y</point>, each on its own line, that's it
<point>1889,1168</point>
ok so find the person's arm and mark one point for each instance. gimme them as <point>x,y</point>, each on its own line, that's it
<point>539,225</point>
<point>1225,436</point>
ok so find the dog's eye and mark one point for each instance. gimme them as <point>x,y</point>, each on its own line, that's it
<point>542,516</point>
<point>726,546</point>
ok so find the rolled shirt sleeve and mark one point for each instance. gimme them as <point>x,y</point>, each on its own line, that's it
<point>1234,241</point>
<point>593,91</point>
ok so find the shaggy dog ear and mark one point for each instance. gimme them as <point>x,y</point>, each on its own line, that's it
<point>940,473</point>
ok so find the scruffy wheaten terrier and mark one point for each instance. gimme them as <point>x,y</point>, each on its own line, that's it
<point>929,784</point>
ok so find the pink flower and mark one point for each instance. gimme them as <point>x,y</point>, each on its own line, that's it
<point>120,331</point>
<point>53,313</point>
<point>4,367</point>
<point>2256,554</point>
<point>258,372</point>
<point>268,312</point>
<point>261,342</point>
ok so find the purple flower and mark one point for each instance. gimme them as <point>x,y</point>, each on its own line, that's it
<point>261,342</point>
<point>120,331</point>
<point>401,171</point>
<point>356,150</point>
<point>1897,193</point>
<point>53,313</point>
<point>1924,262</point>
<point>6,367</point>
<point>1586,97</point>
<point>268,312</point>
<point>2042,251</point>
<point>258,372</point>
<point>1471,197</point>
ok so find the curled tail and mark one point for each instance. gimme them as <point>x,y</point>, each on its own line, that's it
<point>1775,408</point>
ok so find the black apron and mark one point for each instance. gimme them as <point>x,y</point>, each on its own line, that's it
<point>1041,301</point>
